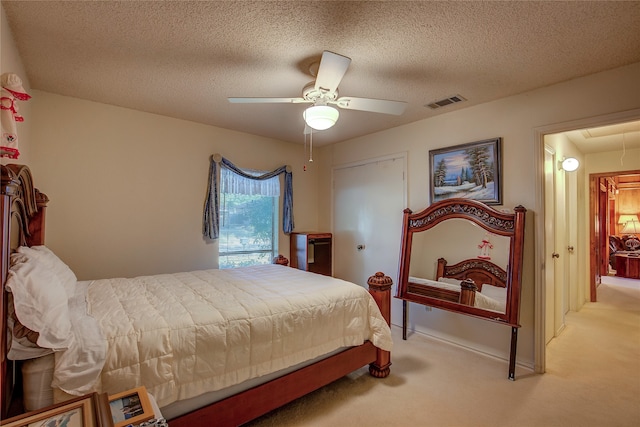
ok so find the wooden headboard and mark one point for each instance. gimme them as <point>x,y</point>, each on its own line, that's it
<point>23,219</point>
<point>481,271</point>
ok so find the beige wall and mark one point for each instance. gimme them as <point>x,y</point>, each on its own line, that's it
<point>127,188</point>
<point>627,202</point>
<point>518,121</point>
<point>612,161</point>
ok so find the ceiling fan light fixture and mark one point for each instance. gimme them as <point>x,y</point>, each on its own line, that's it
<point>321,117</point>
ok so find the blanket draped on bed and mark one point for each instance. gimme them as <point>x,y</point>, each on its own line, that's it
<point>184,334</point>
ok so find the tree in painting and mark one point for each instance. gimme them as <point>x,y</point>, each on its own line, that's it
<point>440,173</point>
<point>480,160</point>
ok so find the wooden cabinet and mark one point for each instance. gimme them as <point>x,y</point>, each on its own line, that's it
<point>311,251</point>
<point>628,265</point>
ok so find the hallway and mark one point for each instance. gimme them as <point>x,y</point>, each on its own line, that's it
<point>600,352</point>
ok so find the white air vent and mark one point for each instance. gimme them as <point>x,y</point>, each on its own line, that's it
<point>444,102</point>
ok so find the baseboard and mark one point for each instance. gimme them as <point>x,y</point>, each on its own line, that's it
<point>525,365</point>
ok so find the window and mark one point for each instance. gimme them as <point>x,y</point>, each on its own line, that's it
<point>248,219</point>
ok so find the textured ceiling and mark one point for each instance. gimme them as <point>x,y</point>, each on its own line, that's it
<point>184,58</point>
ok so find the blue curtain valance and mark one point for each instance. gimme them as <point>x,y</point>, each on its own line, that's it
<point>211,218</point>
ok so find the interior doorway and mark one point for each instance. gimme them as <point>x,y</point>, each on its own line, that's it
<point>614,198</point>
<point>580,213</point>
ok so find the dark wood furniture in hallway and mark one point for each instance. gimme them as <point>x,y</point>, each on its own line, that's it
<point>628,265</point>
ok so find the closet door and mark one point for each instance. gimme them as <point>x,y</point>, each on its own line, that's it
<point>368,201</point>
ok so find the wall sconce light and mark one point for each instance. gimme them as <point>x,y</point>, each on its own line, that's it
<point>569,164</point>
<point>320,117</point>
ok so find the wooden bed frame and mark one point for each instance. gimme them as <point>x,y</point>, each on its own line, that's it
<point>23,223</point>
<point>472,272</point>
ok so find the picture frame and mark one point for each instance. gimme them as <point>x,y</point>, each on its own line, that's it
<point>83,411</point>
<point>130,407</point>
<point>472,171</point>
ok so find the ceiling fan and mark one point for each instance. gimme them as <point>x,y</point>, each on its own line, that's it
<point>323,95</point>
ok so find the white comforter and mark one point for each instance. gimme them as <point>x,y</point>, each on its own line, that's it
<point>184,334</point>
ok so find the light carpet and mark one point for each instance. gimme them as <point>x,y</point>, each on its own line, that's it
<point>592,379</point>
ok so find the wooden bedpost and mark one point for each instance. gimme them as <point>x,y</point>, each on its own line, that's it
<point>38,220</point>
<point>8,190</point>
<point>22,210</point>
<point>281,260</point>
<point>380,289</point>
<point>467,292</point>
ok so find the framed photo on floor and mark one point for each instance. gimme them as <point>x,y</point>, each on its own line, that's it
<point>471,171</point>
<point>130,407</point>
<point>83,411</point>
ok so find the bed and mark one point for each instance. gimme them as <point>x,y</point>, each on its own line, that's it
<point>223,345</point>
<point>474,282</point>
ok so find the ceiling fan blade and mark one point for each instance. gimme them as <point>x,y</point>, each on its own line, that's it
<point>331,70</point>
<point>267,100</point>
<point>374,105</point>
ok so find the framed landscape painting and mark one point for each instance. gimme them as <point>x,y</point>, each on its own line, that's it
<point>471,171</point>
<point>83,411</point>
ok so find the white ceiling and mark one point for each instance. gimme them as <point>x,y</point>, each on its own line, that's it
<point>184,59</point>
<point>616,137</point>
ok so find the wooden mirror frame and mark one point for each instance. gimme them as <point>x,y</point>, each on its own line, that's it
<point>493,221</point>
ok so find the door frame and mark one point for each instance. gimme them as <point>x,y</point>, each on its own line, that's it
<point>597,239</point>
<point>550,244</point>
<point>539,133</point>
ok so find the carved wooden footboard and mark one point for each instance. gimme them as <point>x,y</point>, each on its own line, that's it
<point>465,295</point>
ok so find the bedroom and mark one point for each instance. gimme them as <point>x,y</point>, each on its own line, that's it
<point>120,167</point>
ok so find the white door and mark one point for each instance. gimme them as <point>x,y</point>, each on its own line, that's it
<point>549,242</point>
<point>368,201</point>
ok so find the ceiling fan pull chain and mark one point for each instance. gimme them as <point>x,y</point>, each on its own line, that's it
<point>304,156</point>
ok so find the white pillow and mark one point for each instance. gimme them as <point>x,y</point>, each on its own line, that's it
<point>21,347</point>
<point>487,303</point>
<point>40,301</point>
<point>21,350</point>
<point>449,280</point>
<point>494,292</point>
<point>51,260</point>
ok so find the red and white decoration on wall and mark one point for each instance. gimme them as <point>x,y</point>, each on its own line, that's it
<point>11,92</point>
<point>485,246</point>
